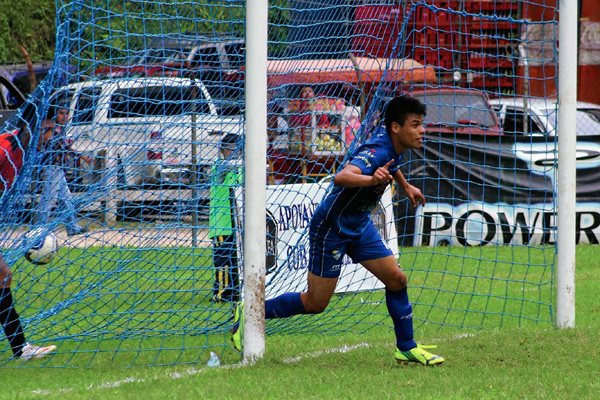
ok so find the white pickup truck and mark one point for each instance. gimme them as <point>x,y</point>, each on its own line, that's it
<point>538,117</point>
<point>148,127</point>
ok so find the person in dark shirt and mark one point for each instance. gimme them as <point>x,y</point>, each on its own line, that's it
<point>341,225</point>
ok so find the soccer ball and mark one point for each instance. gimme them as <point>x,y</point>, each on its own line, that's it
<point>43,247</point>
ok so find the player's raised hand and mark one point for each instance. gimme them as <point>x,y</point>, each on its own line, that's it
<point>382,174</point>
<point>415,196</point>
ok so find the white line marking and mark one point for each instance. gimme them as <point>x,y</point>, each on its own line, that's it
<point>343,349</point>
<point>194,371</point>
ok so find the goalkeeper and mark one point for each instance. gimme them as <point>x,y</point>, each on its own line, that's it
<point>341,224</point>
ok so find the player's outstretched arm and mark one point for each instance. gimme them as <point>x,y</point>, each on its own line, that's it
<point>414,194</point>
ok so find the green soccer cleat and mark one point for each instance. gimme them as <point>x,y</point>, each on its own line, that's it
<point>237,331</point>
<point>418,354</point>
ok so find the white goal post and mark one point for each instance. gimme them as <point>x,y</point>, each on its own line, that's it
<point>567,98</point>
<point>255,182</point>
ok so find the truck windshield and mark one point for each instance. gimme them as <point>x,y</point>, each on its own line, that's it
<point>456,109</point>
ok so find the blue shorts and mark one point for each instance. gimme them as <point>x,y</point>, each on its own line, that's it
<point>328,247</point>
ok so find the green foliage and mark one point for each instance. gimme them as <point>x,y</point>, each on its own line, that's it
<point>27,23</point>
<point>106,31</point>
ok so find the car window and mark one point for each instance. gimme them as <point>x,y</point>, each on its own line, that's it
<point>228,97</point>
<point>207,57</point>
<point>161,55</point>
<point>514,123</point>
<point>62,98</point>
<point>236,53</point>
<point>588,122</point>
<point>86,105</point>
<point>457,108</point>
<point>152,101</point>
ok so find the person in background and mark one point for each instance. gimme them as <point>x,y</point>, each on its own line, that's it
<point>302,116</point>
<point>341,225</point>
<point>56,152</point>
<point>278,144</point>
<point>226,176</point>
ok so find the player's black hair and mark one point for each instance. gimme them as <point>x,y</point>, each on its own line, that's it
<point>398,109</point>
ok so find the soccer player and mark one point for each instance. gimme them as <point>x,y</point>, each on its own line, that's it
<point>13,145</point>
<point>11,323</point>
<point>341,225</point>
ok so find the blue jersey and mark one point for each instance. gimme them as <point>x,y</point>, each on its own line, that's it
<point>348,209</point>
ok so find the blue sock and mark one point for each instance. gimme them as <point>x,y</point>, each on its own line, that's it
<point>283,306</point>
<point>401,312</point>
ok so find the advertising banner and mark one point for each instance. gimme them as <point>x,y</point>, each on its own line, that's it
<point>497,190</point>
<point>289,210</point>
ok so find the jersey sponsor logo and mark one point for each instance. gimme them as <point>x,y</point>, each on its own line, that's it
<point>364,159</point>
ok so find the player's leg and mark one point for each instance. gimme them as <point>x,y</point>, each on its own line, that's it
<point>324,267</point>
<point>232,289</point>
<point>313,301</point>
<point>219,261</point>
<point>11,323</point>
<point>9,318</point>
<point>396,298</point>
<point>373,253</point>
<point>68,207</point>
<point>49,195</point>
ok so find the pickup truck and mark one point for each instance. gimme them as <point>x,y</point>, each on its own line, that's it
<point>152,126</point>
<point>539,117</point>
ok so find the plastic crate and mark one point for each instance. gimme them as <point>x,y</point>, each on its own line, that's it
<point>484,6</point>
<point>438,58</point>
<point>431,37</point>
<point>372,47</point>
<point>378,12</point>
<point>478,24</point>
<point>436,18</point>
<point>477,61</point>
<point>488,42</point>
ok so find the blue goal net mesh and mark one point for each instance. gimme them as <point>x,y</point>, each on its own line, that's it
<point>128,166</point>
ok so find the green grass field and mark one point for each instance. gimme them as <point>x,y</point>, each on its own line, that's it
<point>496,351</point>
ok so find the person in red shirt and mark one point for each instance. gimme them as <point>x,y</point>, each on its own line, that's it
<point>13,146</point>
<point>11,158</point>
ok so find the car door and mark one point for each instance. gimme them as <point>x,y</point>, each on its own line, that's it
<point>81,132</point>
<point>236,55</point>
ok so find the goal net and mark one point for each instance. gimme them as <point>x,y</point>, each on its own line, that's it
<point>152,156</point>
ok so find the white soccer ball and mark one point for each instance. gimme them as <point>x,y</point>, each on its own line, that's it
<point>42,248</point>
